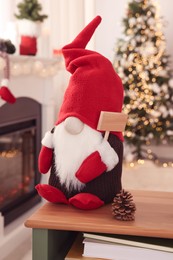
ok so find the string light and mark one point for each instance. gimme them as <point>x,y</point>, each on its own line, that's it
<point>150,157</point>
<point>9,154</point>
<point>20,65</point>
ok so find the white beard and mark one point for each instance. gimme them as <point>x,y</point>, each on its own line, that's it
<point>71,150</point>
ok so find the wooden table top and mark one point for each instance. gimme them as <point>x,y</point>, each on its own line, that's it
<point>154,217</point>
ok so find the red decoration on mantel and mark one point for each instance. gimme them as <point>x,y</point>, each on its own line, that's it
<point>28,45</point>
<point>57,52</point>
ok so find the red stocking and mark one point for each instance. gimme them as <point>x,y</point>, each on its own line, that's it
<point>6,95</point>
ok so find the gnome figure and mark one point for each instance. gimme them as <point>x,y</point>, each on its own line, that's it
<point>85,168</point>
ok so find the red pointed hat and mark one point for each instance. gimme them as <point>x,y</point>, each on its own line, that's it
<point>94,85</point>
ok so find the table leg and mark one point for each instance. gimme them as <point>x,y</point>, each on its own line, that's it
<point>51,244</point>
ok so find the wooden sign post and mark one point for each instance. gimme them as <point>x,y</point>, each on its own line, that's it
<point>111,121</point>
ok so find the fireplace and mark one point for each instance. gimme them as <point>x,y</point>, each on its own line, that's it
<point>38,85</point>
<point>20,140</point>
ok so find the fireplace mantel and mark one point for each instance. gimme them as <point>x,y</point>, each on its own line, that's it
<point>34,65</point>
<point>33,77</point>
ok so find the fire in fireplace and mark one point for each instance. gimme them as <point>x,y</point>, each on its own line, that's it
<point>20,139</point>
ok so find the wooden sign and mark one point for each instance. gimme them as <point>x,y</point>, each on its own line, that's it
<point>111,121</point>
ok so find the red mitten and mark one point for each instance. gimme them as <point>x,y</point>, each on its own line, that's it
<point>45,159</point>
<point>91,168</point>
<point>46,153</point>
<point>104,159</point>
<point>5,93</point>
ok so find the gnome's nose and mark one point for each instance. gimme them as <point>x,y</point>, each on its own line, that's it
<point>73,125</point>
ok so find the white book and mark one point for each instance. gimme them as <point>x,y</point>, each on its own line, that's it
<point>114,251</point>
<point>161,244</point>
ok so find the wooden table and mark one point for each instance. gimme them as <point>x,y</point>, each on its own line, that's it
<point>55,226</point>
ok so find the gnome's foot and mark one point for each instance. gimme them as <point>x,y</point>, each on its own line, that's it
<point>51,193</point>
<point>6,95</point>
<point>86,201</point>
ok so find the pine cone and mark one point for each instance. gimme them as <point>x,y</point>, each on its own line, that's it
<point>123,207</point>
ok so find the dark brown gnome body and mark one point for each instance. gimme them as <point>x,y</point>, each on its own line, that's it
<point>85,167</point>
<point>105,186</point>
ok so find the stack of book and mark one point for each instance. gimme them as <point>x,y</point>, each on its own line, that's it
<point>120,247</point>
<point>124,247</point>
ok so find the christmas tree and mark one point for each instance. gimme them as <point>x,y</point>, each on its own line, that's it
<point>30,10</point>
<point>142,62</point>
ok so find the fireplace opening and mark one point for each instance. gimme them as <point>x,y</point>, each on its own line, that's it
<point>20,139</point>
